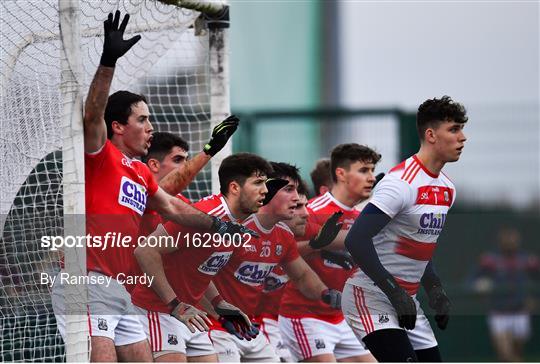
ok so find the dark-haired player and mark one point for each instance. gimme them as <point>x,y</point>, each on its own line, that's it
<point>311,330</point>
<point>394,239</point>
<point>183,273</point>
<point>117,130</point>
<point>321,177</point>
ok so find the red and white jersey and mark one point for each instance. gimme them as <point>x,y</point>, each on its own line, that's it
<point>418,202</point>
<point>117,188</point>
<point>293,303</point>
<point>273,291</point>
<point>189,269</point>
<point>241,281</point>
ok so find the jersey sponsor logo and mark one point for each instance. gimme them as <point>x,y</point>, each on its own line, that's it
<point>274,282</point>
<point>431,224</point>
<point>132,195</point>
<point>253,273</point>
<point>214,263</point>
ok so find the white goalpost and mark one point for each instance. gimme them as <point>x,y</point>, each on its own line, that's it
<point>50,51</point>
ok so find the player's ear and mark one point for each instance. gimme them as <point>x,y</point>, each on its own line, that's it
<point>340,173</point>
<point>117,127</point>
<point>153,165</point>
<point>234,188</point>
<point>429,136</point>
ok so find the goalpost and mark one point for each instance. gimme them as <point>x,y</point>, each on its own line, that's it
<point>50,51</point>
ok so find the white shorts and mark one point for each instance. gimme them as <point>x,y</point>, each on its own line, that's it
<point>369,310</point>
<point>270,329</point>
<point>308,337</point>
<point>168,334</point>
<point>230,349</point>
<point>517,324</point>
<point>111,313</point>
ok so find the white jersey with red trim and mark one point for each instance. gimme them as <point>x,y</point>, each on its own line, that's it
<point>418,202</point>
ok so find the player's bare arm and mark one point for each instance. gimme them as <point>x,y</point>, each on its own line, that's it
<point>177,180</point>
<point>114,47</point>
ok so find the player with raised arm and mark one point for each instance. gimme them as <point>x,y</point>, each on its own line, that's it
<point>241,282</point>
<point>183,272</point>
<point>394,239</point>
<point>117,129</point>
<point>324,332</point>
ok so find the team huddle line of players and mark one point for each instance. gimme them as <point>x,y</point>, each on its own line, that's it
<point>318,282</point>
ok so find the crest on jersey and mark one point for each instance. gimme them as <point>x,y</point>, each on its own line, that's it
<point>172,340</point>
<point>383,318</point>
<point>132,195</point>
<point>102,324</point>
<point>446,196</point>
<point>279,249</point>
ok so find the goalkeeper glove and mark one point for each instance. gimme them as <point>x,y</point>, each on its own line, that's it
<point>332,297</point>
<point>438,300</point>
<point>114,46</point>
<point>273,185</point>
<point>230,227</point>
<point>234,320</point>
<point>190,316</point>
<point>221,134</point>
<point>328,232</point>
<point>401,301</point>
<point>343,259</point>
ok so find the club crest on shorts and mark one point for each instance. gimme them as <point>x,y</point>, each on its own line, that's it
<point>279,249</point>
<point>383,318</point>
<point>172,339</point>
<point>102,324</point>
<point>319,344</point>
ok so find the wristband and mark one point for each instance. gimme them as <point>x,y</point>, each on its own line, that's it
<point>172,305</point>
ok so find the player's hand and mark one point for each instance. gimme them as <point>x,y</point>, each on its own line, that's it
<point>378,179</point>
<point>343,259</point>
<point>332,297</point>
<point>190,316</point>
<point>438,300</point>
<point>230,227</point>
<point>235,321</point>
<point>221,134</point>
<point>401,301</point>
<point>114,45</point>
<point>328,232</point>
<point>273,185</point>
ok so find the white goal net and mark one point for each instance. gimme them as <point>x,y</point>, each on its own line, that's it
<point>171,65</point>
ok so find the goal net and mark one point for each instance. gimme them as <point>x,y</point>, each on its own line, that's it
<point>49,56</point>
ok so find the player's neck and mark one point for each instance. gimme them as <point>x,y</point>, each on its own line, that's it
<point>340,193</point>
<point>118,143</point>
<point>430,161</point>
<point>234,208</point>
<point>267,219</point>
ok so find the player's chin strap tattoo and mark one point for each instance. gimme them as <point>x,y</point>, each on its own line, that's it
<point>234,320</point>
<point>328,232</point>
<point>438,300</point>
<point>190,316</point>
<point>359,243</point>
<point>114,46</point>
<point>230,227</point>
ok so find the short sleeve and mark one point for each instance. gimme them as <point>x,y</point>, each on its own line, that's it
<point>152,183</point>
<point>292,250</point>
<point>391,195</point>
<point>93,161</point>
